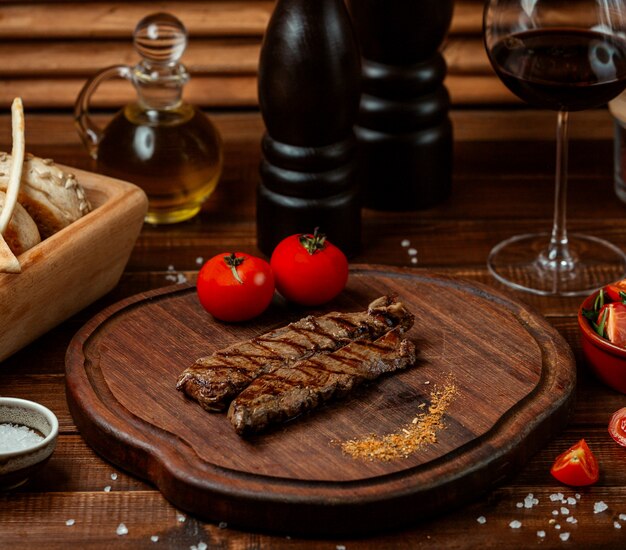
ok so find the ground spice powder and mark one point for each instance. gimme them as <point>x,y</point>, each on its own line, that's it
<point>411,437</point>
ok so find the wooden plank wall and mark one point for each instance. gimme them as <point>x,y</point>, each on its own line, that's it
<point>48,49</point>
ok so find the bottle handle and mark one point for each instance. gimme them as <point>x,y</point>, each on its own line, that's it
<point>90,133</point>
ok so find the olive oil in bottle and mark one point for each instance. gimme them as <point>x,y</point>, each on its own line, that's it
<point>165,146</point>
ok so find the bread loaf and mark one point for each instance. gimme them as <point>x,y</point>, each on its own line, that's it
<point>21,233</point>
<point>53,198</point>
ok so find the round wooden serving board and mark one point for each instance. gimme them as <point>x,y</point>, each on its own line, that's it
<point>514,374</point>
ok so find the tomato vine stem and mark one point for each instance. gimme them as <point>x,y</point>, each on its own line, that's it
<point>313,243</point>
<point>233,262</point>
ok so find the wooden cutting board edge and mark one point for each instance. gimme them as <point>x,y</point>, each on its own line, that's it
<point>326,508</point>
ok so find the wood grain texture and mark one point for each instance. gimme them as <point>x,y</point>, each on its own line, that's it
<point>222,55</point>
<point>122,368</point>
<point>103,19</point>
<point>118,19</point>
<point>60,59</point>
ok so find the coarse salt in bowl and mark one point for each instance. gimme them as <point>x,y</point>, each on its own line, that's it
<point>29,434</point>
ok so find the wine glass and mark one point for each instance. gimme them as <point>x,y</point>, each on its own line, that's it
<point>564,55</point>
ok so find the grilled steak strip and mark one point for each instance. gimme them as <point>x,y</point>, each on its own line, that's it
<point>289,391</point>
<point>215,380</point>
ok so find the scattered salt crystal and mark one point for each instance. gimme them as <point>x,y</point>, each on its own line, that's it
<point>564,511</point>
<point>427,382</point>
<point>154,538</point>
<point>557,526</point>
<point>556,496</point>
<point>530,501</point>
<point>405,243</point>
<point>571,519</point>
<point>121,530</point>
<point>412,252</point>
<point>107,489</point>
<point>340,547</point>
<point>541,534</point>
<point>70,522</point>
<point>176,278</point>
<point>14,437</point>
<point>617,525</point>
<point>202,546</point>
<point>555,512</point>
<point>481,519</point>
<point>113,476</point>
<point>622,517</point>
<point>571,501</point>
<point>222,525</point>
<point>180,518</point>
<point>515,524</point>
<point>599,507</point>
<point>199,260</point>
<point>413,260</point>
<point>564,536</point>
<point>577,495</point>
<point>170,267</point>
<point>564,501</point>
<point>520,505</point>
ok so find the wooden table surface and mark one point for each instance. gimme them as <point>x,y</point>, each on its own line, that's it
<point>503,185</point>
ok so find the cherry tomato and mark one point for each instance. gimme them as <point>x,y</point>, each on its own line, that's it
<point>309,270</point>
<point>577,466</point>
<point>614,317</point>
<point>235,286</point>
<point>613,290</point>
<point>617,426</point>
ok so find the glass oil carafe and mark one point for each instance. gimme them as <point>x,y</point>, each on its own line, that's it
<point>165,146</point>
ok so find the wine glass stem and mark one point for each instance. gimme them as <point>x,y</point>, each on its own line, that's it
<point>558,256</point>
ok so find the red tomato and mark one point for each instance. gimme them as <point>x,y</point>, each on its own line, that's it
<point>617,427</point>
<point>309,270</point>
<point>615,323</point>
<point>612,291</point>
<point>577,466</point>
<point>235,286</point>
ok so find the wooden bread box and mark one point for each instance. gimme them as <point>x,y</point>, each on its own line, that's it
<point>75,266</point>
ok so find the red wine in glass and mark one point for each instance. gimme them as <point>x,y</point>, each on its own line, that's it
<point>562,69</point>
<point>564,55</point>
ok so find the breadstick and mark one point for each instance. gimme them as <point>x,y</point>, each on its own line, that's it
<point>17,154</point>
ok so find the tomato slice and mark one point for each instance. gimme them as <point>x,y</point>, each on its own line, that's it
<point>577,466</point>
<point>613,290</point>
<point>615,324</point>
<point>617,426</point>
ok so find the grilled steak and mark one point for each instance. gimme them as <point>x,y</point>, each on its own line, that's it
<point>289,391</point>
<point>215,380</point>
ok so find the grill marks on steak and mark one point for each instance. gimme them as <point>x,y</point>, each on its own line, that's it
<point>305,385</point>
<point>215,380</point>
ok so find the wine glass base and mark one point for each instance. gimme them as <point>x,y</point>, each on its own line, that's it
<point>522,263</point>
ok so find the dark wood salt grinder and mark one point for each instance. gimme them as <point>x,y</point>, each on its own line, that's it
<point>403,128</point>
<point>309,85</point>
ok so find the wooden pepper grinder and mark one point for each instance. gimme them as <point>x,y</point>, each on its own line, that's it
<point>403,128</point>
<point>309,84</point>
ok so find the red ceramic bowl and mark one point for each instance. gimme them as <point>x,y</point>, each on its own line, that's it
<point>607,360</point>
